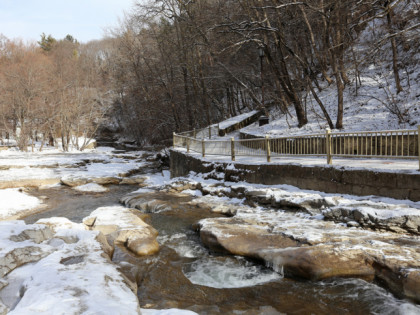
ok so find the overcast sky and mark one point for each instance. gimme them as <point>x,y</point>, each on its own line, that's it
<point>83,19</point>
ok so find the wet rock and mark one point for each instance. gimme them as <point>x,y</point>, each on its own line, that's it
<point>313,249</point>
<point>124,227</point>
<point>205,202</point>
<point>106,180</point>
<point>136,180</point>
<point>144,202</point>
<point>237,237</point>
<point>141,242</point>
<point>102,240</point>
<point>320,262</point>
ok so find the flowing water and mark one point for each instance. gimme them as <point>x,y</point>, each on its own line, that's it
<point>185,275</point>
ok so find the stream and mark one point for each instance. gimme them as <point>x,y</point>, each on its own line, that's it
<point>185,275</point>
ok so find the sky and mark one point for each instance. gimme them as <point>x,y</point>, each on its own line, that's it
<point>85,20</point>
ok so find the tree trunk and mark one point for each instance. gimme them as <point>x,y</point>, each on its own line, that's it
<point>321,105</point>
<point>394,49</point>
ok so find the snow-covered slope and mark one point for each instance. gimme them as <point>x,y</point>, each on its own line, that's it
<point>371,102</point>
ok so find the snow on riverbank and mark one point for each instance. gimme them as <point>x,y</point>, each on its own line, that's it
<point>69,272</point>
<point>15,203</point>
<point>101,162</point>
<point>368,209</point>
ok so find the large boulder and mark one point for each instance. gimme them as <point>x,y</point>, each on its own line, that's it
<point>237,237</point>
<point>319,262</point>
<point>313,249</point>
<point>124,227</point>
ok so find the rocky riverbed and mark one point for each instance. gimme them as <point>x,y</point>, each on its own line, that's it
<point>318,237</point>
<point>195,244</point>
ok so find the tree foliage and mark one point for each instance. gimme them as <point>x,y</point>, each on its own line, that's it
<point>49,92</point>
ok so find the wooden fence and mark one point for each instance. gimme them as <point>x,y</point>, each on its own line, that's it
<point>390,144</point>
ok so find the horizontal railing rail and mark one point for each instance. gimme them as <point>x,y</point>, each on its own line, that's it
<point>395,144</point>
<point>203,133</point>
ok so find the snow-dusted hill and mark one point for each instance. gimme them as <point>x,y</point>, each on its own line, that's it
<point>371,103</point>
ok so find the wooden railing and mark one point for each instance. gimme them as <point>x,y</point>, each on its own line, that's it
<point>394,144</point>
<point>203,133</point>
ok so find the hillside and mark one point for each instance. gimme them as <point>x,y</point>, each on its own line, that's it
<point>371,101</point>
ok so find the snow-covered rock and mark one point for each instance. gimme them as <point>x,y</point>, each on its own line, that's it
<point>91,187</point>
<point>64,264</point>
<point>79,180</point>
<point>125,228</point>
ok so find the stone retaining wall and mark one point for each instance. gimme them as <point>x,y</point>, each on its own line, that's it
<point>327,179</point>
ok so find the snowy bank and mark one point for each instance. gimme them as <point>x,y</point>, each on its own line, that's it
<point>15,204</point>
<point>69,271</point>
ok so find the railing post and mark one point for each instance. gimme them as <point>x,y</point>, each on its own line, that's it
<point>209,132</point>
<point>232,148</point>
<point>173,139</point>
<point>218,130</point>
<point>194,134</point>
<point>188,145</point>
<point>328,145</point>
<point>267,146</point>
<point>418,143</point>
<point>203,148</point>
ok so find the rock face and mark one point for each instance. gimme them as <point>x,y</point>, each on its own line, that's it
<point>124,227</point>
